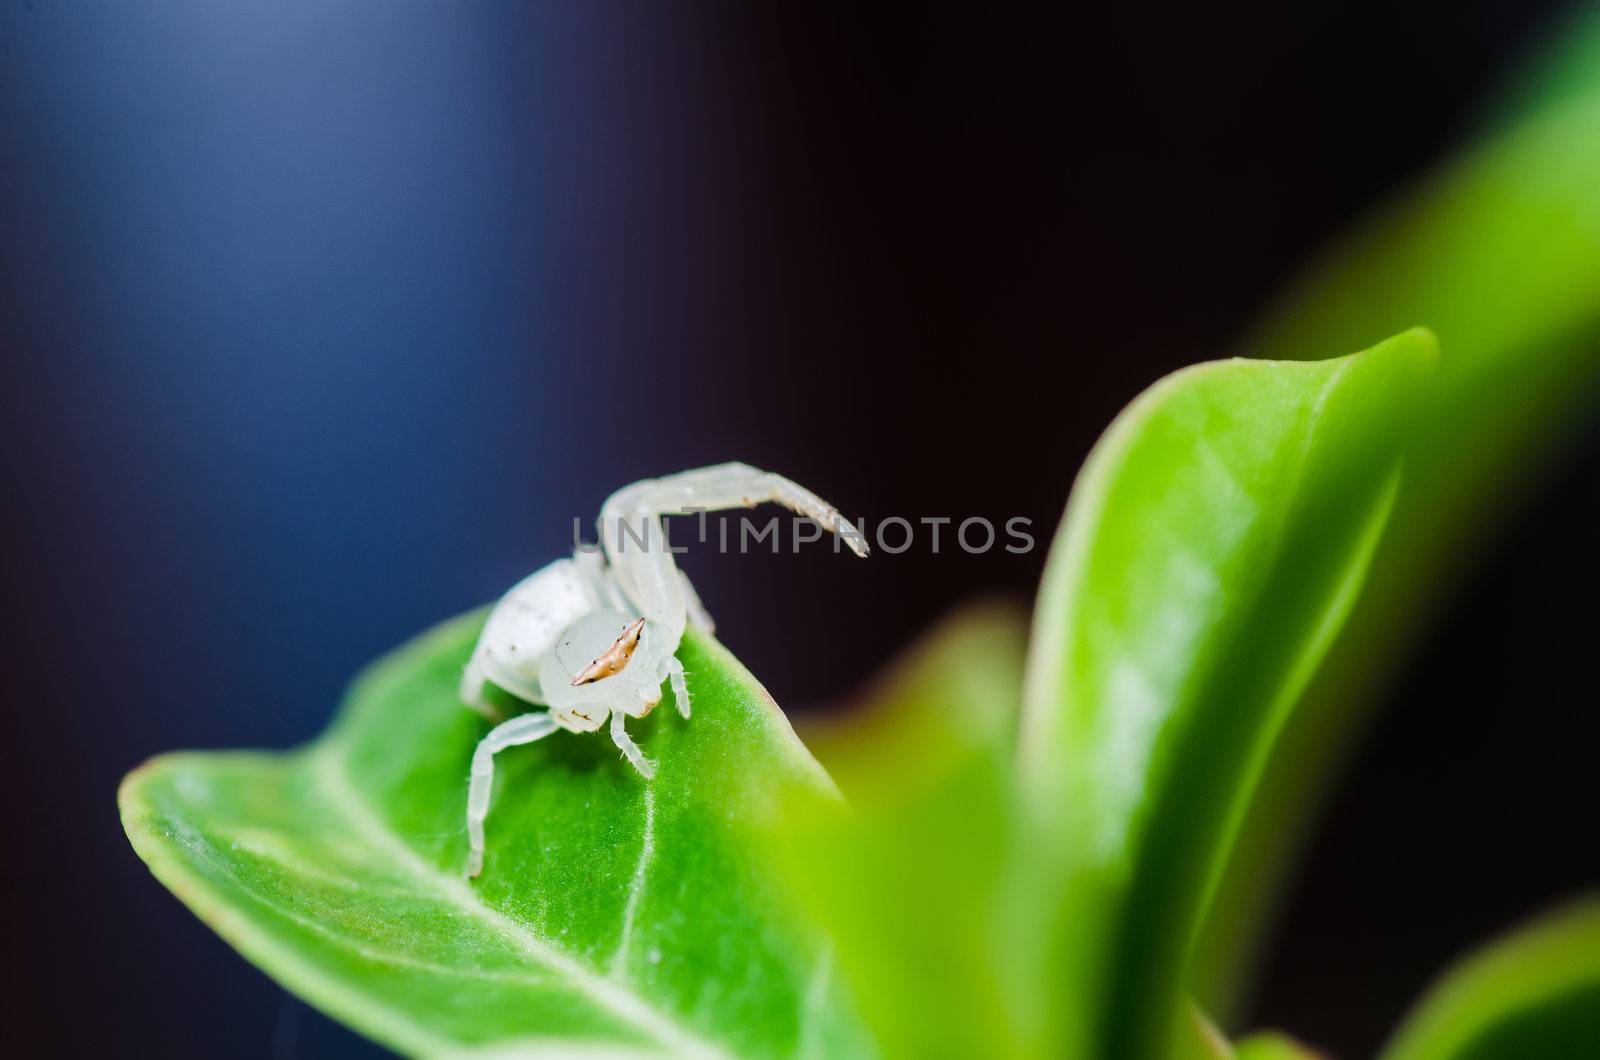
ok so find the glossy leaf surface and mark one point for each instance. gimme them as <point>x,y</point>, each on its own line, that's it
<point>613,915</point>
<point>1213,545</point>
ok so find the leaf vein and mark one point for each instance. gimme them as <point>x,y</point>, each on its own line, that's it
<point>647,849</point>
<point>602,991</point>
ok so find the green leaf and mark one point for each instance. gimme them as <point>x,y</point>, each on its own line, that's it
<point>1535,993</point>
<point>958,689</point>
<point>909,882</point>
<point>1272,1045</point>
<point>1213,544</point>
<point>1499,254</point>
<point>1559,70</point>
<point>1197,1038</point>
<point>613,914</point>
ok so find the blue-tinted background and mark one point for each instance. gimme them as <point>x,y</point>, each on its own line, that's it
<point>321,321</point>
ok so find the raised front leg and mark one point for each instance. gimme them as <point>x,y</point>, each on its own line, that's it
<point>525,729</point>
<point>720,487</point>
<point>636,545</point>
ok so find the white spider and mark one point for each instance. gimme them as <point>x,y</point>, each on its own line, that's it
<point>593,636</point>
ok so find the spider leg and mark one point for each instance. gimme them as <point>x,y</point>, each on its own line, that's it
<point>672,668</point>
<point>625,744</point>
<point>473,683</point>
<point>699,617</point>
<point>520,730</point>
<point>635,541</point>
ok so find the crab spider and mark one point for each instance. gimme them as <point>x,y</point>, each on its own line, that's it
<point>595,635</point>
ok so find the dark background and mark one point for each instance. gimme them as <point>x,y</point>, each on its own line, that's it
<point>321,321</point>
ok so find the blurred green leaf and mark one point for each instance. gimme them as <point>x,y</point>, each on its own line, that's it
<point>613,915</point>
<point>1499,254</point>
<point>1534,994</point>
<point>1272,1045</point>
<point>909,880</point>
<point>958,688</point>
<point>1560,69</point>
<point>1213,543</point>
<point>1197,1038</point>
